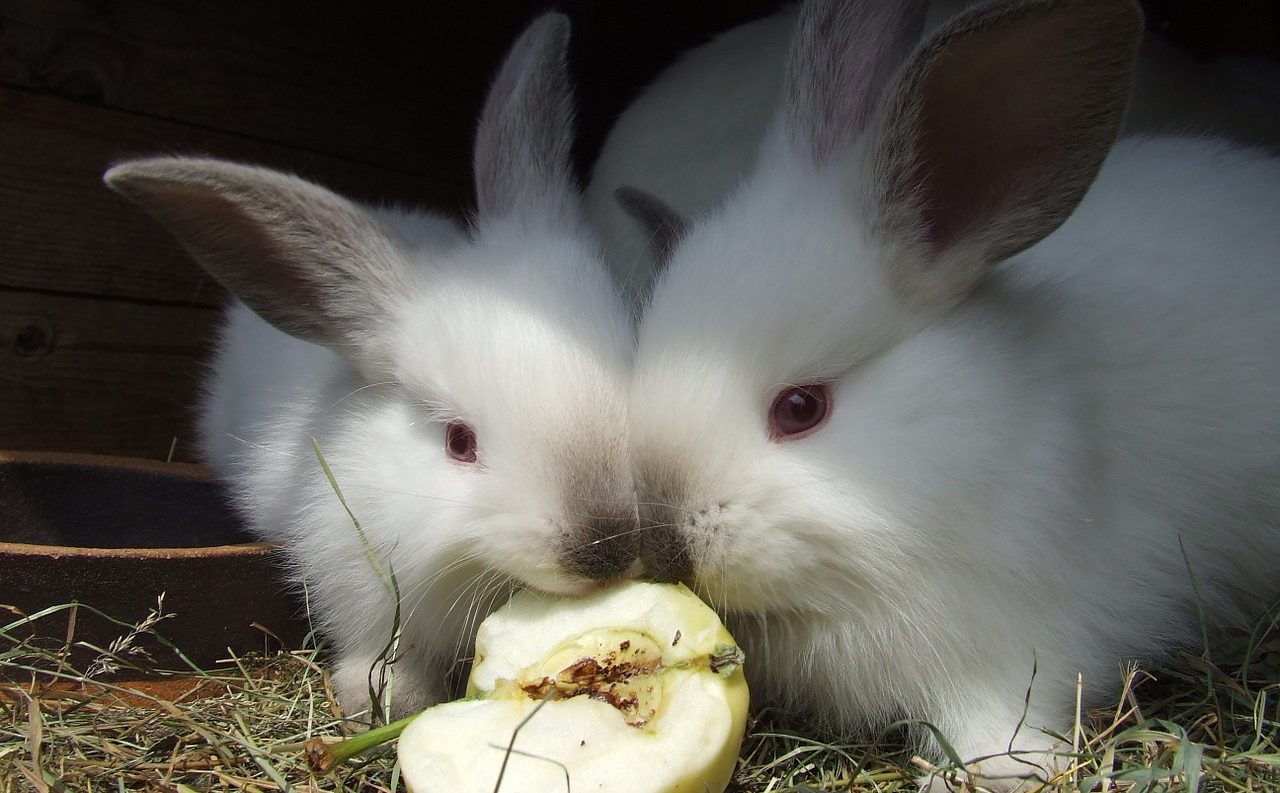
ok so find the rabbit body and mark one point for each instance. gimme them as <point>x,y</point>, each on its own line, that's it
<point>466,390</point>
<point>1048,442</point>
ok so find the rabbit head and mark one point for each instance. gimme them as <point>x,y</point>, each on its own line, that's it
<point>801,429</point>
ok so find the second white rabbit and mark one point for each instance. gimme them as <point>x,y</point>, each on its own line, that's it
<point>950,389</point>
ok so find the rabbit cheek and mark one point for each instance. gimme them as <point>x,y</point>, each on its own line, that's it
<point>534,559</point>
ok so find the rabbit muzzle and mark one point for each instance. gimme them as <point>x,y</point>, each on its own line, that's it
<point>664,549</point>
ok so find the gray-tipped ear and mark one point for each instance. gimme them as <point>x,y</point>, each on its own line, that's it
<point>663,226</point>
<point>843,54</point>
<point>305,259</point>
<point>994,133</point>
<point>525,137</point>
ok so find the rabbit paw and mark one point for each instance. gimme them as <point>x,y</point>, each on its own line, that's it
<point>356,680</point>
<point>1001,774</point>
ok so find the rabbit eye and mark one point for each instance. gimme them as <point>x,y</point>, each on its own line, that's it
<point>798,410</point>
<point>460,442</point>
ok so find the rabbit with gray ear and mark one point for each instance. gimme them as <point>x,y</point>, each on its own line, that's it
<point>955,398</point>
<point>467,390</point>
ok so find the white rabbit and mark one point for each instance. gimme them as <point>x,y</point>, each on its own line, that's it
<point>924,405</point>
<point>695,131</point>
<point>469,395</point>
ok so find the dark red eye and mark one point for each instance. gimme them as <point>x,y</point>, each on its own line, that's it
<point>460,442</point>
<point>798,410</point>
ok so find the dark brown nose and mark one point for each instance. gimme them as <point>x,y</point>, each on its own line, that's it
<point>602,547</point>
<point>663,547</point>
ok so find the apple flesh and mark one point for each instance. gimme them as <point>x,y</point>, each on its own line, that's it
<point>637,688</point>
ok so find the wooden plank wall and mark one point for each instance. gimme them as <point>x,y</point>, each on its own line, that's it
<point>104,323</point>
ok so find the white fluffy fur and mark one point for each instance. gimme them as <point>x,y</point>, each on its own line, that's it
<point>516,329</point>
<point>694,132</point>
<point>1008,483</point>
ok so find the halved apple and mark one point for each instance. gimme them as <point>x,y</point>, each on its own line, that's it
<point>637,688</point>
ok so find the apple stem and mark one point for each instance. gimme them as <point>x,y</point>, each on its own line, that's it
<point>324,757</point>
<point>726,659</point>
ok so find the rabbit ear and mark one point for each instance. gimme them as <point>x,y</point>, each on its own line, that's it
<point>662,225</point>
<point>305,259</point>
<point>843,54</point>
<point>525,137</point>
<point>994,133</point>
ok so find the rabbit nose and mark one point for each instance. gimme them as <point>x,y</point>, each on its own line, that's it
<point>602,548</point>
<point>663,549</point>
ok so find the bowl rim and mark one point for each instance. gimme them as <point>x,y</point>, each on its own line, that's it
<point>253,548</point>
<point>184,469</point>
<point>106,461</point>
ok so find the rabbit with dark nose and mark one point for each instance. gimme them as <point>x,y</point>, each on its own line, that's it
<point>954,398</point>
<point>465,388</point>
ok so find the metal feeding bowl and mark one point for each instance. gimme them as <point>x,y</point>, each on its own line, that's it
<point>114,533</point>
